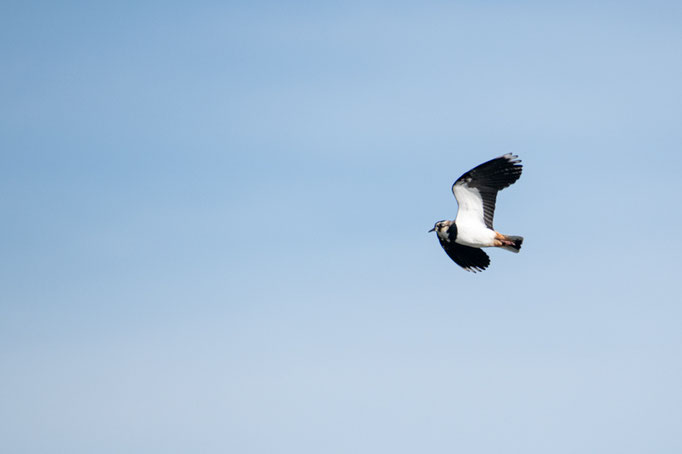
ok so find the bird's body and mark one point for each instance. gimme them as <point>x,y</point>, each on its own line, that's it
<point>476,194</point>
<point>470,234</point>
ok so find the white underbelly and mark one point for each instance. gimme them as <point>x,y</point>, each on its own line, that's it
<point>475,236</point>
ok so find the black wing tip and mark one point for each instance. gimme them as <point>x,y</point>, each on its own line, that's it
<point>471,259</point>
<point>514,160</point>
<point>475,269</point>
<point>496,174</point>
<point>511,157</point>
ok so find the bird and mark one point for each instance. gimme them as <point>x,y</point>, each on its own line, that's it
<point>476,194</point>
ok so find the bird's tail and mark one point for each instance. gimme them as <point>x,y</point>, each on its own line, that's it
<point>512,243</point>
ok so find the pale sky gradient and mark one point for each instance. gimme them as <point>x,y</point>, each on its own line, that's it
<point>214,223</point>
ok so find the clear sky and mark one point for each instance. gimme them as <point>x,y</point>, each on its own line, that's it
<point>214,221</point>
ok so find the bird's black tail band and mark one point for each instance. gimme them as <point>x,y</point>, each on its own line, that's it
<point>516,242</point>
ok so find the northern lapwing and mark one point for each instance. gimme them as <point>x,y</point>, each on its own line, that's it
<point>476,193</point>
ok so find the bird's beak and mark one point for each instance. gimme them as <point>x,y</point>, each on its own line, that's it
<point>432,230</point>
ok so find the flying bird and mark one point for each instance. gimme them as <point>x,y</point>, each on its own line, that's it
<point>476,193</point>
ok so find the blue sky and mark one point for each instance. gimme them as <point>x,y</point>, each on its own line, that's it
<point>214,227</point>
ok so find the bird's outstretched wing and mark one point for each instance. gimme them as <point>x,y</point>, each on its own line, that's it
<point>470,258</point>
<point>476,190</point>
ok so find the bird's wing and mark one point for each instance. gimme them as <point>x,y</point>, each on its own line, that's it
<point>470,258</point>
<point>476,190</point>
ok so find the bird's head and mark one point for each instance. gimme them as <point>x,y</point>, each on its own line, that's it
<point>440,226</point>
